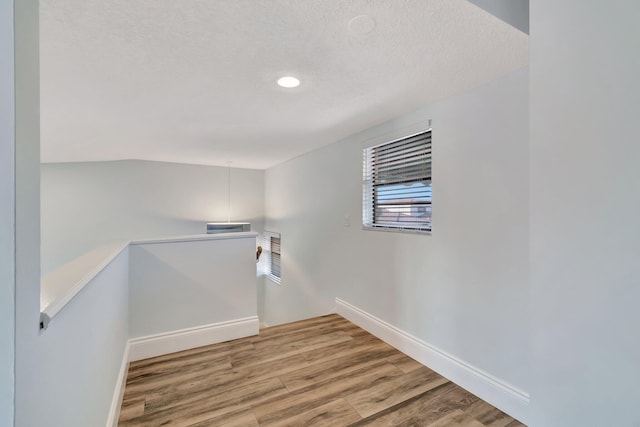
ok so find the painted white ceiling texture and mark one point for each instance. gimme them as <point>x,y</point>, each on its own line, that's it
<point>194,81</point>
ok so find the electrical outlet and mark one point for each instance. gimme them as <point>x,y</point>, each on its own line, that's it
<point>347,220</point>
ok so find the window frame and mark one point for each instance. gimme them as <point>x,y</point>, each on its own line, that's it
<point>370,196</point>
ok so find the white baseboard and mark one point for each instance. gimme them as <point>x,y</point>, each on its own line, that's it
<point>498,393</point>
<point>118,392</point>
<point>185,339</point>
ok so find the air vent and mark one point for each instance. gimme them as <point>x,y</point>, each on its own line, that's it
<point>227,227</point>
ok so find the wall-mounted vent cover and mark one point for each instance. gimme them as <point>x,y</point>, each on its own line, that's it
<point>227,227</point>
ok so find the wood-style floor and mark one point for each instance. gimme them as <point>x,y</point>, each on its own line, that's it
<point>324,371</point>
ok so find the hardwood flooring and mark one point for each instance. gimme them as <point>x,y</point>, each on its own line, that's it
<point>324,371</point>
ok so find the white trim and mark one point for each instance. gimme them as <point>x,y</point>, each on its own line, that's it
<point>185,339</point>
<point>118,392</point>
<point>400,138</point>
<point>503,396</point>
<point>271,234</point>
<point>396,134</point>
<point>274,279</point>
<point>396,229</point>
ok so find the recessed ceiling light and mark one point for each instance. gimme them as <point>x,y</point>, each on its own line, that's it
<point>288,82</point>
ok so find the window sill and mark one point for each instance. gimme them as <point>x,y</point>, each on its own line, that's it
<point>274,279</point>
<point>397,230</point>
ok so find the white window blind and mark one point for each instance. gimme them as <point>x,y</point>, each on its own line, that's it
<point>271,252</point>
<point>397,184</point>
<point>275,258</point>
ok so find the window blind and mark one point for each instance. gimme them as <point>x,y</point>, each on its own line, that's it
<point>397,184</point>
<point>275,257</point>
<point>272,266</point>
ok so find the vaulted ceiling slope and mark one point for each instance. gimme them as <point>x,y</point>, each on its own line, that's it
<point>193,81</point>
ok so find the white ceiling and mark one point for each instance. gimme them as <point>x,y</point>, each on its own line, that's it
<point>193,81</point>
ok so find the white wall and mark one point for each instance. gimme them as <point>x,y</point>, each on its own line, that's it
<point>7,214</point>
<point>27,205</point>
<point>85,205</point>
<point>463,288</point>
<point>65,376</point>
<point>76,361</point>
<point>585,206</point>
<point>180,285</point>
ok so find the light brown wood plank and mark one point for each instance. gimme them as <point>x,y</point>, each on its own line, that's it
<point>188,357</point>
<point>490,416</point>
<point>160,379</point>
<point>296,347</point>
<point>456,418</point>
<point>321,393</point>
<point>423,409</point>
<point>301,325</point>
<point>382,396</point>
<point>132,408</point>
<point>335,413</point>
<point>216,402</point>
<point>324,371</point>
<point>240,418</point>
<point>154,371</point>
<point>217,395</point>
<point>346,348</point>
<point>405,363</point>
<point>232,378</point>
<point>269,338</point>
<point>294,342</point>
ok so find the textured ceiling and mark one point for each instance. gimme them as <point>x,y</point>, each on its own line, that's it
<point>193,81</point>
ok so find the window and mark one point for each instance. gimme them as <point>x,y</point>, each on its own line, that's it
<point>275,258</point>
<point>271,251</point>
<point>397,184</point>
